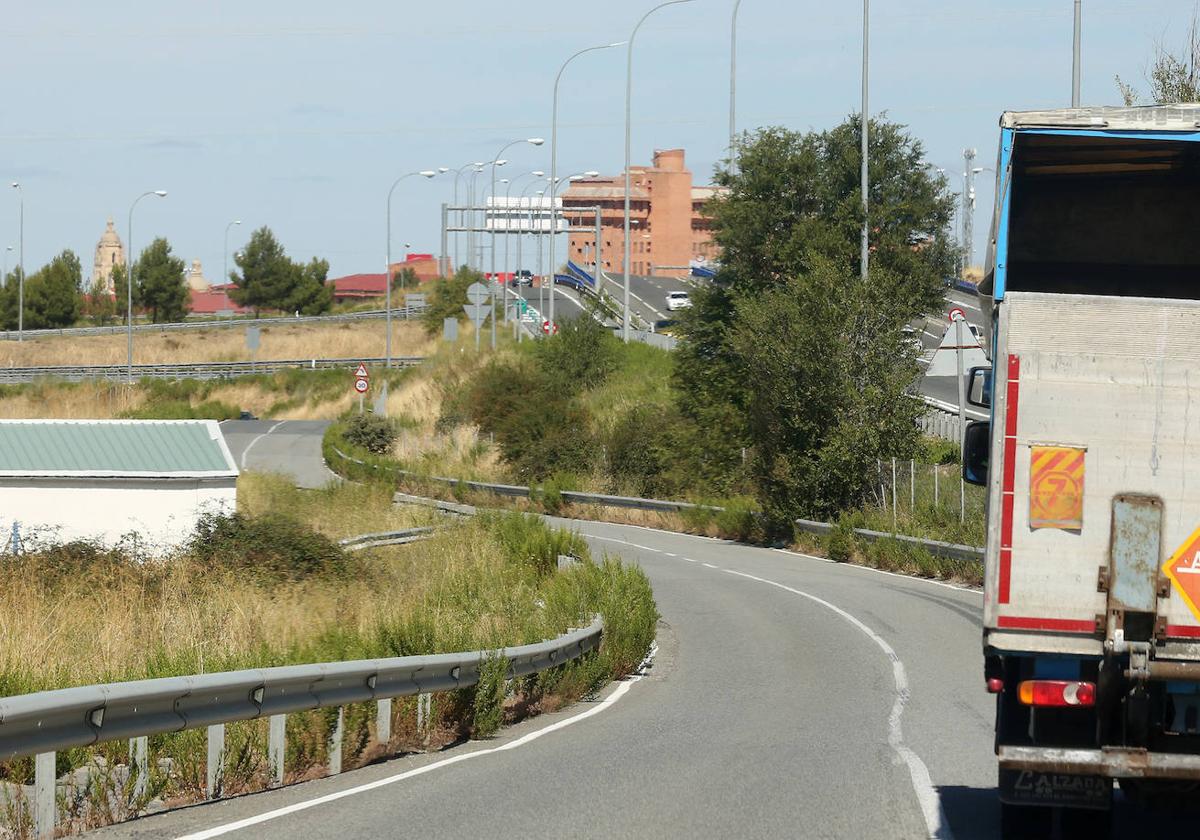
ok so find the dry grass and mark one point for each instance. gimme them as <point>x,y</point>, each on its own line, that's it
<point>226,344</point>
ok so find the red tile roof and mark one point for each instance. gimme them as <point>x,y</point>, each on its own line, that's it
<point>359,286</point>
<point>213,302</point>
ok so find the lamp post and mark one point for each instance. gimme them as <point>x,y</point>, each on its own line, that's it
<point>225,249</point>
<point>865,255</point>
<point>508,222</point>
<point>471,227</point>
<point>554,158</point>
<point>129,282</point>
<point>498,161</point>
<point>733,80</point>
<point>554,187</point>
<point>387,272</point>
<point>1075,59</point>
<point>21,263</point>
<point>628,185</point>
<point>457,174</point>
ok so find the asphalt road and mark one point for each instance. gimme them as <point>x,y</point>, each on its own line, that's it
<point>292,447</point>
<point>789,697</point>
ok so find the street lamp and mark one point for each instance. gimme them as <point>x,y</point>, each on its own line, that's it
<point>21,262</point>
<point>225,248</point>
<point>498,161</point>
<point>554,187</point>
<point>129,281</point>
<point>457,174</point>
<point>628,117</point>
<point>554,157</point>
<point>537,173</point>
<point>387,273</point>
<point>733,79</point>
<point>865,254</point>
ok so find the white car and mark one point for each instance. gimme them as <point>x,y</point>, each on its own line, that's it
<point>678,300</point>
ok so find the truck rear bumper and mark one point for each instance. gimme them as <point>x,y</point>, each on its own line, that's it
<point>1114,762</point>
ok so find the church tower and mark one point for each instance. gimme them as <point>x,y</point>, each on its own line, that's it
<point>109,254</point>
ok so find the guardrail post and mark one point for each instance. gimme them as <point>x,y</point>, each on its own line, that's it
<point>139,760</point>
<point>215,769</point>
<point>277,747</point>
<point>424,702</point>
<point>335,743</point>
<point>45,805</point>
<point>383,720</point>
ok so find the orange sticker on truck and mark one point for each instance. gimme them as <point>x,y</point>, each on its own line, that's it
<point>1056,487</point>
<point>1183,568</point>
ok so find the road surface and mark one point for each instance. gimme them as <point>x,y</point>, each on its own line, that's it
<point>292,447</point>
<point>789,697</point>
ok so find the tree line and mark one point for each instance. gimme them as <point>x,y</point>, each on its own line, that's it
<point>55,295</point>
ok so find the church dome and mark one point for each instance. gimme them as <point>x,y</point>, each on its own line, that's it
<point>110,237</point>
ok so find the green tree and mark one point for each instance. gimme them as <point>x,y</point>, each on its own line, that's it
<point>405,278</point>
<point>53,294</point>
<point>789,226</point>
<point>120,280</point>
<point>99,305</point>
<point>1173,77</point>
<point>159,284</point>
<point>448,297</point>
<point>8,299</point>
<point>268,278</point>
<point>311,295</point>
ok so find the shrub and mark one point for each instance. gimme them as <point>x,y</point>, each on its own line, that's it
<point>581,356</point>
<point>487,707</point>
<point>527,540</point>
<point>841,543</point>
<point>372,432</point>
<point>447,298</point>
<point>642,451</point>
<point>741,520</point>
<point>271,546</point>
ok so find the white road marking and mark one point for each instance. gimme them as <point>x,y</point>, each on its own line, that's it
<point>927,798</point>
<point>246,451</point>
<point>965,304</point>
<point>221,830</point>
<point>929,581</point>
<point>708,565</point>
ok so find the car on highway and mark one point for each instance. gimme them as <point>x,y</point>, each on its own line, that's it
<point>522,277</point>
<point>678,300</point>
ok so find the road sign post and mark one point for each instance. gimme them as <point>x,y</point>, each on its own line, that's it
<point>253,337</point>
<point>362,384</point>
<point>957,316</point>
<point>478,309</point>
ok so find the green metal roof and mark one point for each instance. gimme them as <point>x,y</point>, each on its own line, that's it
<point>182,448</point>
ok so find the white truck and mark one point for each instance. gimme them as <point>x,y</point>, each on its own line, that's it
<point>1091,634</point>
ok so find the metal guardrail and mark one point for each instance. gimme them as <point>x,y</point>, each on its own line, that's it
<point>937,548</point>
<point>400,312</point>
<point>198,370</point>
<point>383,538</point>
<point>48,721</point>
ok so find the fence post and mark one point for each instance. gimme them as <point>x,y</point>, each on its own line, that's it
<point>45,806</point>
<point>335,743</point>
<point>214,771</point>
<point>912,485</point>
<point>423,701</point>
<point>277,747</point>
<point>383,720</point>
<point>893,495</point>
<point>937,468</point>
<point>139,759</point>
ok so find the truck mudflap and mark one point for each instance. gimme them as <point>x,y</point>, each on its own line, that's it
<point>1050,789</point>
<point>1109,762</point>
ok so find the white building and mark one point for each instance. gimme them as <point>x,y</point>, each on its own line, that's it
<point>106,480</point>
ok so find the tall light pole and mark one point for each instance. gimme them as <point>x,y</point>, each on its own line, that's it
<point>498,161</point>
<point>865,256</point>
<point>733,82</point>
<point>129,281</point>
<point>457,174</point>
<point>471,227</point>
<point>387,272</point>
<point>1075,58</point>
<point>225,250</point>
<point>628,118</point>
<point>554,157</point>
<point>537,173</point>
<point>21,263</point>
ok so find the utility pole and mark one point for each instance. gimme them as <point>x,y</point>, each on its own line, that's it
<point>1075,72</point>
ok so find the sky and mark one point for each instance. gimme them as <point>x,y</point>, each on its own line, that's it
<point>298,115</point>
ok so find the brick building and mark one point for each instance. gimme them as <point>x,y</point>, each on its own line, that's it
<point>667,226</point>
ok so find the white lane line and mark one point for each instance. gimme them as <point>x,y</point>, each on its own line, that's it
<point>965,304</point>
<point>931,806</point>
<point>218,831</point>
<point>246,451</point>
<point>708,565</point>
<point>942,583</point>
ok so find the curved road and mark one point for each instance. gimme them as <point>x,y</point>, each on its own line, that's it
<point>789,696</point>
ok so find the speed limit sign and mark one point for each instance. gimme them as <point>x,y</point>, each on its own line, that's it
<point>549,327</point>
<point>361,386</point>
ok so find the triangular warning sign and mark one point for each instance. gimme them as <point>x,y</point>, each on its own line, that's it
<point>944,362</point>
<point>361,373</point>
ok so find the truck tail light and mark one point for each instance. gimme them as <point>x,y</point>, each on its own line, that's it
<point>995,685</point>
<point>1057,693</point>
